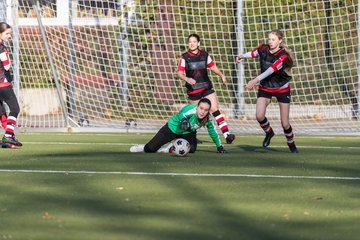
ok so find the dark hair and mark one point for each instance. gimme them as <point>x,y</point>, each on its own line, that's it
<point>195,36</point>
<point>288,62</point>
<point>204,100</point>
<point>4,26</point>
<point>206,118</point>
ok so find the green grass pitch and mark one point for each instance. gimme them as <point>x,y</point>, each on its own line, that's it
<point>89,186</point>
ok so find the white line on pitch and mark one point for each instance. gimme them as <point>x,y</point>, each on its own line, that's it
<point>147,134</point>
<point>77,143</point>
<point>207,145</point>
<point>179,174</point>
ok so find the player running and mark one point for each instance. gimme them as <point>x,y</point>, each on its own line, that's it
<point>275,63</point>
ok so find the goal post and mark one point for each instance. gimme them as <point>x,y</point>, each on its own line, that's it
<point>116,61</point>
<point>53,72</point>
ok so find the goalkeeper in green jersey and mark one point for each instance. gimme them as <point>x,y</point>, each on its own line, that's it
<point>184,124</point>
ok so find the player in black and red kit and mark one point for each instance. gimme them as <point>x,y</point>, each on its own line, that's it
<point>194,64</point>
<point>275,63</point>
<point>3,120</point>
<point>7,94</point>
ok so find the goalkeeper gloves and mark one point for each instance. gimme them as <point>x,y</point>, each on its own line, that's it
<point>8,76</point>
<point>221,149</point>
<point>185,124</point>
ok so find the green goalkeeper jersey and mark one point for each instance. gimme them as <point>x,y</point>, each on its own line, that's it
<point>189,112</point>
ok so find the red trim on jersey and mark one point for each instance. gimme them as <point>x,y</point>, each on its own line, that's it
<point>7,60</point>
<point>275,90</point>
<point>274,67</point>
<point>196,91</point>
<point>277,62</point>
<point>180,68</point>
<point>192,54</point>
<point>253,52</point>
<point>4,84</point>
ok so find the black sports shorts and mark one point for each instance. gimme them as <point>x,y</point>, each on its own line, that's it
<point>281,97</point>
<point>200,95</point>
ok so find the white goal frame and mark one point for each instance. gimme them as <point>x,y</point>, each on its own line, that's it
<point>123,97</point>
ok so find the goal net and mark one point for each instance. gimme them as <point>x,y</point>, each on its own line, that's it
<point>113,64</point>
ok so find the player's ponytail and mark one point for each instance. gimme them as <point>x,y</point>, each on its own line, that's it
<point>288,62</point>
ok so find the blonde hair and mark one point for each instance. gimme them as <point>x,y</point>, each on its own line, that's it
<point>288,62</point>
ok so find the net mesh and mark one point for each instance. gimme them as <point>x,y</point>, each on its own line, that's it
<point>116,61</point>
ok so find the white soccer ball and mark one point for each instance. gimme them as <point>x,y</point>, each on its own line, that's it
<point>181,147</point>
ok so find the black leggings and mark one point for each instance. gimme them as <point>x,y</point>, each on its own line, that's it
<point>165,135</point>
<point>7,95</point>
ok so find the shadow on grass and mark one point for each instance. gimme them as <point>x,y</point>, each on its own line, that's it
<point>101,206</point>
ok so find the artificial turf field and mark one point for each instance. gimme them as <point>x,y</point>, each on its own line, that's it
<point>89,186</point>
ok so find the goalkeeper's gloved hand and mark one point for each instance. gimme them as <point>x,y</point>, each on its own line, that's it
<point>221,149</point>
<point>185,124</point>
<point>8,75</point>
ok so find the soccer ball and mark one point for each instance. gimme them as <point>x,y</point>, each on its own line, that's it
<point>181,147</point>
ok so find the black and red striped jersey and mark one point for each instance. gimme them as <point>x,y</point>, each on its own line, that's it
<point>4,65</point>
<point>195,65</point>
<point>273,77</point>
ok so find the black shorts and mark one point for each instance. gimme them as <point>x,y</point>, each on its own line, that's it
<point>281,97</point>
<point>200,95</point>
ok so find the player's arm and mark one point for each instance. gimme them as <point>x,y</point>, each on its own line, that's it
<point>211,65</point>
<point>214,136</point>
<point>252,54</point>
<point>181,71</point>
<point>276,66</point>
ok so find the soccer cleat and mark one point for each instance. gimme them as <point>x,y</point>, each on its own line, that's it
<point>267,139</point>
<point>11,140</point>
<point>7,145</point>
<point>293,148</point>
<point>137,148</point>
<point>230,138</point>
